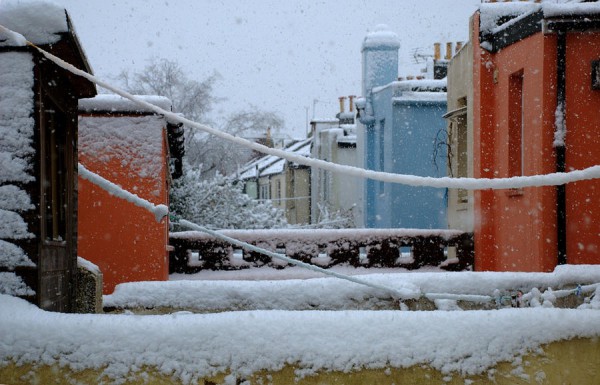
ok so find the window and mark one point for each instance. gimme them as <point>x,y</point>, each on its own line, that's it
<point>264,192</point>
<point>278,189</point>
<point>54,171</point>
<point>515,124</point>
<point>596,75</point>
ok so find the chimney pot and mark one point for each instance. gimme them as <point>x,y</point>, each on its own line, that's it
<point>448,50</point>
<point>437,55</point>
<point>458,46</point>
<point>351,103</point>
<point>342,103</point>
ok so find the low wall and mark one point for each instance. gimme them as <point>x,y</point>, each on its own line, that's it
<point>408,248</point>
<point>575,361</point>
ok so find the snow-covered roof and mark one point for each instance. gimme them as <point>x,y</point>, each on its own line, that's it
<point>496,17</point>
<point>115,103</point>
<point>270,165</point>
<point>40,22</point>
<point>381,37</point>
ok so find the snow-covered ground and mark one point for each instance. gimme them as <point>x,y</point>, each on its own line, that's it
<point>190,346</point>
<point>298,289</point>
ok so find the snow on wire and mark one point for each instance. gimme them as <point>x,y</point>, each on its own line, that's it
<point>553,179</point>
<point>160,211</point>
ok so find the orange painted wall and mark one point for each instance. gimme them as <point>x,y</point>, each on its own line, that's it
<point>514,230</point>
<point>583,148</point>
<point>124,240</point>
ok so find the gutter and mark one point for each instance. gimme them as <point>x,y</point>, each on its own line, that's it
<point>561,201</point>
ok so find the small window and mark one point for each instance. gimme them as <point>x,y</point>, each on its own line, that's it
<point>515,125</point>
<point>596,75</point>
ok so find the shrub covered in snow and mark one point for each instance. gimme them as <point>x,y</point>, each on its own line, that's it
<point>220,203</point>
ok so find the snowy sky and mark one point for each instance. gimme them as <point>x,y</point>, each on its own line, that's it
<point>276,55</point>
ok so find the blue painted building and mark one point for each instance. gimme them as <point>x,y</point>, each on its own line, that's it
<point>402,132</point>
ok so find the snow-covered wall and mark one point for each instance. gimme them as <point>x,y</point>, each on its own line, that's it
<point>16,151</point>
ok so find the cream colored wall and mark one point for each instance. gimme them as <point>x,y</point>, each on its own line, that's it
<point>298,209</point>
<point>460,85</point>
<point>564,362</point>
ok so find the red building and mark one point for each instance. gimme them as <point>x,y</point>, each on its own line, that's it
<point>536,104</point>
<point>141,152</point>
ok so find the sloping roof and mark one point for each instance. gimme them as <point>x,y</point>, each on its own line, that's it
<point>47,25</point>
<point>502,24</point>
<point>269,164</point>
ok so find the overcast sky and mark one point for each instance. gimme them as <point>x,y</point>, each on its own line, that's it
<point>275,55</point>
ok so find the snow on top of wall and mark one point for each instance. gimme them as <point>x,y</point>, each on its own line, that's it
<point>415,87</point>
<point>494,13</point>
<point>319,235</point>
<point>38,21</point>
<point>115,103</point>
<point>135,141</point>
<point>411,96</point>
<point>381,37</point>
<point>89,266</point>
<point>193,346</point>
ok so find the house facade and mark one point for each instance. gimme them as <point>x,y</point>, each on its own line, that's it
<point>286,184</point>
<point>459,124</point>
<point>402,131</point>
<point>140,151</point>
<point>536,99</point>
<point>38,156</point>
<point>334,196</point>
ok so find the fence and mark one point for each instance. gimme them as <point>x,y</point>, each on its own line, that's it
<point>409,248</point>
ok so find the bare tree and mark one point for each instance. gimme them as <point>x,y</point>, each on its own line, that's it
<point>195,99</point>
<point>164,77</point>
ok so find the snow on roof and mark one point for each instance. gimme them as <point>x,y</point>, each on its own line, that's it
<point>115,103</point>
<point>38,21</point>
<point>135,141</point>
<point>415,86</point>
<point>190,346</point>
<point>498,16</point>
<point>492,14</point>
<point>381,37</point>
<point>89,266</point>
<point>581,9</point>
<point>269,165</point>
<point>431,90</point>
